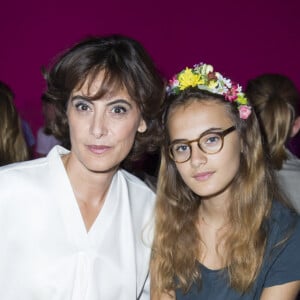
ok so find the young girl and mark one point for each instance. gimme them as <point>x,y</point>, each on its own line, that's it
<point>223,230</point>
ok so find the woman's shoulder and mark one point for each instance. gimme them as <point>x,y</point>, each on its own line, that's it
<point>37,167</point>
<point>21,167</point>
<point>135,182</point>
<point>139,195</point>
<point>141,200</point>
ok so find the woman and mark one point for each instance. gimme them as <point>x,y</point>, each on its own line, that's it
<point>276,101</point>
<point>222,228</point>
<point>13,146</point>
<point>74,224</point>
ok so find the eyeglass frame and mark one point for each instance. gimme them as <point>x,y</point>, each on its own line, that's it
<point>222,134</point>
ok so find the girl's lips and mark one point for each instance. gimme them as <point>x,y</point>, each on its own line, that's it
<point>98,149</point>
<point>203,176</point>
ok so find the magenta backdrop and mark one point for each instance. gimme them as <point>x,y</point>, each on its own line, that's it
<point>241,39</point>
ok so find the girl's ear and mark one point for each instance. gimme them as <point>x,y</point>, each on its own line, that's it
<point>296,127</point>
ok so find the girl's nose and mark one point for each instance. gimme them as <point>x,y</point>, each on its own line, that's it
<point>198,157</point>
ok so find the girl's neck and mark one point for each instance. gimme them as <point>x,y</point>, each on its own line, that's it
<point>212,227</point>
<point>213,212</point>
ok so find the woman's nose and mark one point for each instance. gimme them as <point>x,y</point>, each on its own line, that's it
<point>98,126</point>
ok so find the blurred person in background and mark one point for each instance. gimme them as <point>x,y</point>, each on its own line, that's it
<point>13,147</point>
<point>276,101</point>
<point>27,132</point>
<point>45,140</point>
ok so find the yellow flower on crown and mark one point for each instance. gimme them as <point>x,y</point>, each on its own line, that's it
<point>241,99</point>
<point>212,83</point>
<point>188,79</point>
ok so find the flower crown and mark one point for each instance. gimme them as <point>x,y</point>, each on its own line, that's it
<point>203,77</point>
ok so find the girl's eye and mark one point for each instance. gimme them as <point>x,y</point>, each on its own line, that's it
<point>212,139</point>
<point>181,148</point>
<point>119,109</point>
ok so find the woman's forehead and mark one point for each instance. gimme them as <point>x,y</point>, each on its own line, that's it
<point>102,84</point>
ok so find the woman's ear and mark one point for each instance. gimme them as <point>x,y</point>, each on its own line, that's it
<point>295,127</point>
<point>142,127</point>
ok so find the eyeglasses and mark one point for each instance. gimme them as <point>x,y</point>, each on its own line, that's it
<point>210,142</point>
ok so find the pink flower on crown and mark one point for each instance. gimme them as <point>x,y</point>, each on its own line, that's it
<point>244,111</point>
<point>174,82</point>
<point>232,93</point>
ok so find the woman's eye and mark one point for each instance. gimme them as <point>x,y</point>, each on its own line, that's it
<point>82,106</point>
<point>119,110</point>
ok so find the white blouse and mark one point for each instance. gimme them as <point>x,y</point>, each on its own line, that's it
<point>46,252</point>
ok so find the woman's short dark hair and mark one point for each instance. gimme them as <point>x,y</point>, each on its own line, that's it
<point>125,63</point>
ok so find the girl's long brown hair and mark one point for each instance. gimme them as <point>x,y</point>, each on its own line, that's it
<point>176,241</point>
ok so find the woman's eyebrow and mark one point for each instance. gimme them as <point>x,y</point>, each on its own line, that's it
<point>80,97</point>
<point>109,101</point>
<point>119,101</point>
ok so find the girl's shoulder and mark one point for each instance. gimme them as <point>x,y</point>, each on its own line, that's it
<point>281,260</point>
<point>283,232</point>
<point>283,216</point>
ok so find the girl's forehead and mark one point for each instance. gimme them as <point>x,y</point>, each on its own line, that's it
<point>188,121</point>
<point>212,109</point>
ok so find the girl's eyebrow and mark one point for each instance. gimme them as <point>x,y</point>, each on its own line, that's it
<point>212,129</point>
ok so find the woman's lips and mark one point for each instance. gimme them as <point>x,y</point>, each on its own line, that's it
<point>98,149</point>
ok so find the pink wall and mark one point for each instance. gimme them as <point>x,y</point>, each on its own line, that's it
<point>240,38</point>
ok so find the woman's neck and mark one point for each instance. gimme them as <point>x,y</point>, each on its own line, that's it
<point>90,189</point>
<point>85,182</point>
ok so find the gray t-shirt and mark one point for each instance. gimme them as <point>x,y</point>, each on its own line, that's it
<point>281,264</point>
